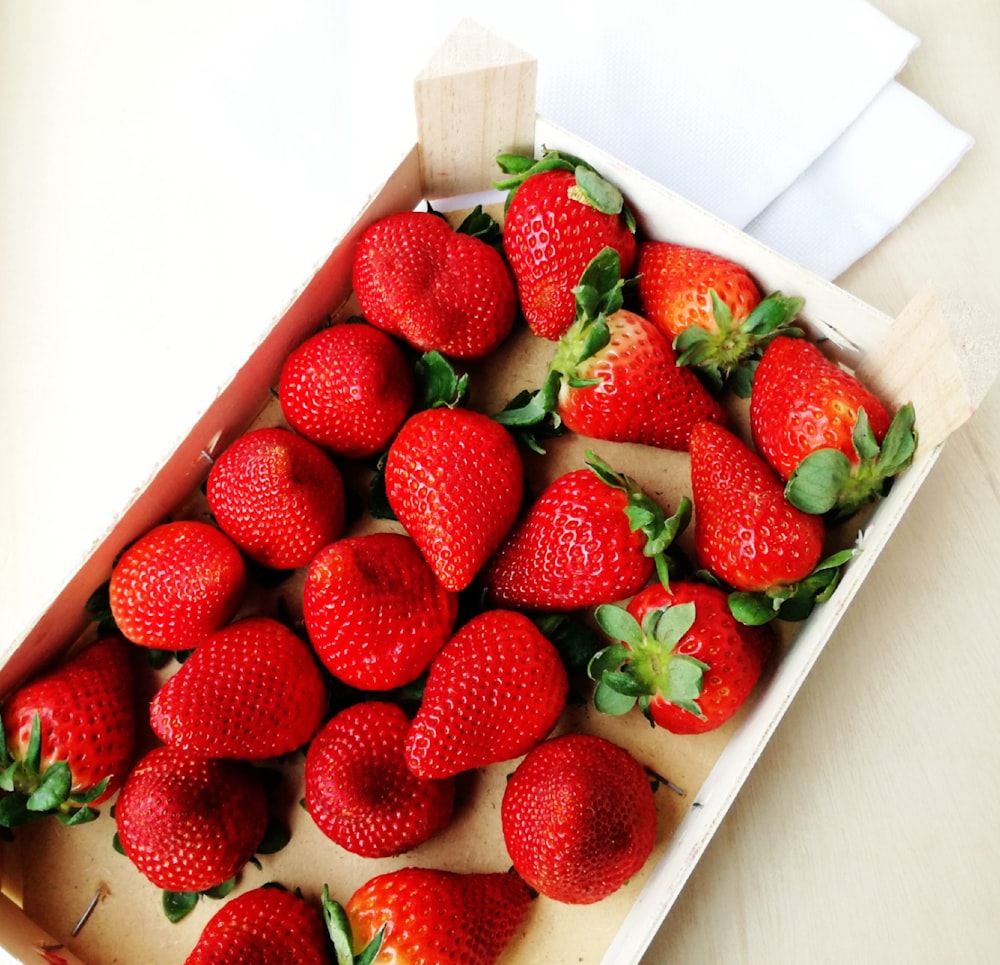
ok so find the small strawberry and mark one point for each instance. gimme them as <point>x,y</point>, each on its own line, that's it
<point>614,375</point>
<point>559,214</point>
<point>434,286</point>
<point>578,818</point>
<point>426,916</point>
<point>359,791</point>
<point>176,584</point>
<point>747,533</point>
<point>682,654</point>
<point>592,536</point>
<point>263,926</point>
<point>374,610</point>
<point>348,388</point>
<point>190,823</point>
<point>455,480</point>
<point>496,689</point>
<point>712,310</point>
<point>826,434</point>
<point>69,736</point>
<point>278,496</point>
<point>250,691</point>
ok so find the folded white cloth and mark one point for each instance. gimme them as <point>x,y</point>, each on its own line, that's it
<point>864,184</point>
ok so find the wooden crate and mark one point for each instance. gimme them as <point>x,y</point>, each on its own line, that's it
<point>475,99</point>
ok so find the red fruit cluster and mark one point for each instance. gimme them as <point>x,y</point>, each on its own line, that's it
<point>449,586</point>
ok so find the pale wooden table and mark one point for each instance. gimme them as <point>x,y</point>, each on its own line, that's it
<point>868,830</point>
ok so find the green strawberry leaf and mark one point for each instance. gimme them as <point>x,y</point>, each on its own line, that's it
<point>593,190</point>
<point>276,836</point>
<point>818,481</point>
<point>752,609</point>
<point>53,790</point>
<point>609,701</point>
<point>900,442</point>
<point>576,641</point>
<point>438,383</point>
<point>178,904</point>
<point>685,677</point>
<point>482,225</point>
<point>220,891</point>
<point>81,815</point>
<point>667,625</point>
<point>608,660</point>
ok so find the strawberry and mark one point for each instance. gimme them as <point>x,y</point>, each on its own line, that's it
<point>70,736</point>
<point>434,286</point>
<point>374,610</point>
<point>559,214</point>
<point>614,375</point>
<point>348,388</point>
<point>578,818</point>
<point>426,916</point>
<point>278,496</point>
<point>592,536</point>
<point>711,309</point>
<point>176,584</point>
<point>263,926</point>
<point>829,436</point>
<point>747,533</point>
<point>252,690</point>
<point>682,654</point>
<point>455,480</point>
<point>496,689</point>
<point>359,791</point>
<point>190,823</point>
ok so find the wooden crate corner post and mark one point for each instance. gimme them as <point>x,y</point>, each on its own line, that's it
<point>474,99</point>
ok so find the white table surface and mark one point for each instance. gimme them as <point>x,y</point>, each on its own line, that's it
<point>868,830</point>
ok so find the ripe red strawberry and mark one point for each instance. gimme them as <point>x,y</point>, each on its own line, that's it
<point>278,496</point>
<point>592,536</point>
<point>176,584</point>
<point>711,308</point>
<point>426,916</point>
<point>375,612</point>
<point>263,926</point>
<point>348,388</point>
<point>496,689</point>
<point>359,790</point>
<point>578,818</point>
<point>190,823</point>
<point>748,534</point>
<point>455,480</point>
<point>435,287</point>
<point>69,736</point>
<point>560,213</point>
<point>251,691</point>
<point>614,375</point>
<point>682,654</point>
<point>806,420</point>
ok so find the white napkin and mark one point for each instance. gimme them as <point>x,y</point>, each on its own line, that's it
<point>864,185</point>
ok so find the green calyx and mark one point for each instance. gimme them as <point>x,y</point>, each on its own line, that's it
<point>338,927</point>
<point>827,482</point>
<point>642,663</point>
<point>645,515</point>
<point>600,293</point>
<point>729,357</point>
<point>590,187</point>
<point>32,793</point>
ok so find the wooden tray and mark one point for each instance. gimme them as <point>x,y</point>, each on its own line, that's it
<point>475,99</point>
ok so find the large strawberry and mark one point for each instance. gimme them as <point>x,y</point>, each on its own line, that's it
<point>592,536</point>
<point>359,791</point>
<point>496,690</point>
<point>427,916</point>
<point>559,214</point>
<point>434,286</point>
<point>614,374</point>
<point>578,818</point>
<point>251,691</point>
<point>455,480</point>
<point>348,387</point>
<point>826,433</point>
<point>190,823</point>
<point>681,654</point>
<point>70,736</point>
<point>750,536</point>
<point>711,308</point>
<point>374,610</point>
<point>268,925</point>
<point>278,496</point>
<point>176,584</point>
